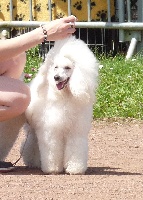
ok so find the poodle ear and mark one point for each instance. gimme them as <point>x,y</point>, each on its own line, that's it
<point>83,83</point>
<point>41,78</point>
<point>40,82</point>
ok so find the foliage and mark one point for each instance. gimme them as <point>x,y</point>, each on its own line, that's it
<point>32,64</point>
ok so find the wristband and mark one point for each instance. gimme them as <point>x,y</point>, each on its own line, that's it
<point>44,32</point>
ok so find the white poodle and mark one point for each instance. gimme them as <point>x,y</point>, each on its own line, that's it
<point>60,113</point>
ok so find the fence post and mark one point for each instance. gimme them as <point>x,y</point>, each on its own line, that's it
<point>11,10</point>
<point>140,19</point>
<point>121,15</point>
<point>30,10</point>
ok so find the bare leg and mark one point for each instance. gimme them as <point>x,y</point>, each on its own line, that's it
<point>8,134</point>
<point>14,99</point>
<point>14,94</point>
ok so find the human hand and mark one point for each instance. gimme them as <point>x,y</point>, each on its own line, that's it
<point>60,28</point>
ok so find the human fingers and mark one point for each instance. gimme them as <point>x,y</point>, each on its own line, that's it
<point>71,29</point>
<point>67,26</point>
<point>71,18</point>
<point>71,21</point>
<point>58,28</point>
<point>71,25</point>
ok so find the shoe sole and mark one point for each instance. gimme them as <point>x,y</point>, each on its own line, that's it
<point>8,169</point>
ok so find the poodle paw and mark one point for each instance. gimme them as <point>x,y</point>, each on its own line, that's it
<point>75,169</point>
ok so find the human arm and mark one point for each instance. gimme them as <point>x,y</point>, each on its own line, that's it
<point>56,29</point>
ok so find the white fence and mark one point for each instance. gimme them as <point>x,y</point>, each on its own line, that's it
<point>125,31</point>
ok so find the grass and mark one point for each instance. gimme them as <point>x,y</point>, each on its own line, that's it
<point>120,91</point>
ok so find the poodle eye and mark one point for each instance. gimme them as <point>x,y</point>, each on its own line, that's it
<point>67,68</point>
<point>56,67</point>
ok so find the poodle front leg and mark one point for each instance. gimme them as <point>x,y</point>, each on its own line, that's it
<point>29,148</point>
<point>76,154</point>
<point>51,152</point>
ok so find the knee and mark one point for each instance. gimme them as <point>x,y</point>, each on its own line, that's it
<point>23,100</point>
<point>18,65</point>
<point>26,98</point>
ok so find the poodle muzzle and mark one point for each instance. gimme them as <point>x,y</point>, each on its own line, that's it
<point>61,84</point>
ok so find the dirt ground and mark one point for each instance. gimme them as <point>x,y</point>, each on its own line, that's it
<point>115,169</point>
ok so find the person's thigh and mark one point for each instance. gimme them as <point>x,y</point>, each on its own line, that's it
<point>13,67</point>
<point>14,97</point>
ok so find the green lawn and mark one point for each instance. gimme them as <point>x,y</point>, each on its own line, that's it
<point>120,92</point>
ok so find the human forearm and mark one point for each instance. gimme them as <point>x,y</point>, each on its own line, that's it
<point>12,47</point>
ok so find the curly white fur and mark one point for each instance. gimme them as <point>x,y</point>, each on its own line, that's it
<point>59,120</point>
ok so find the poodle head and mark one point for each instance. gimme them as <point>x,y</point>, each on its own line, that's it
<point>73,70</point>
<point>62,71</point>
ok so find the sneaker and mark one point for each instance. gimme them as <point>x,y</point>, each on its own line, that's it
<point>6,166</point>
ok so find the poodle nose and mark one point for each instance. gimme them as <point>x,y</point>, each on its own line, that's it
<point>57,77</point>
